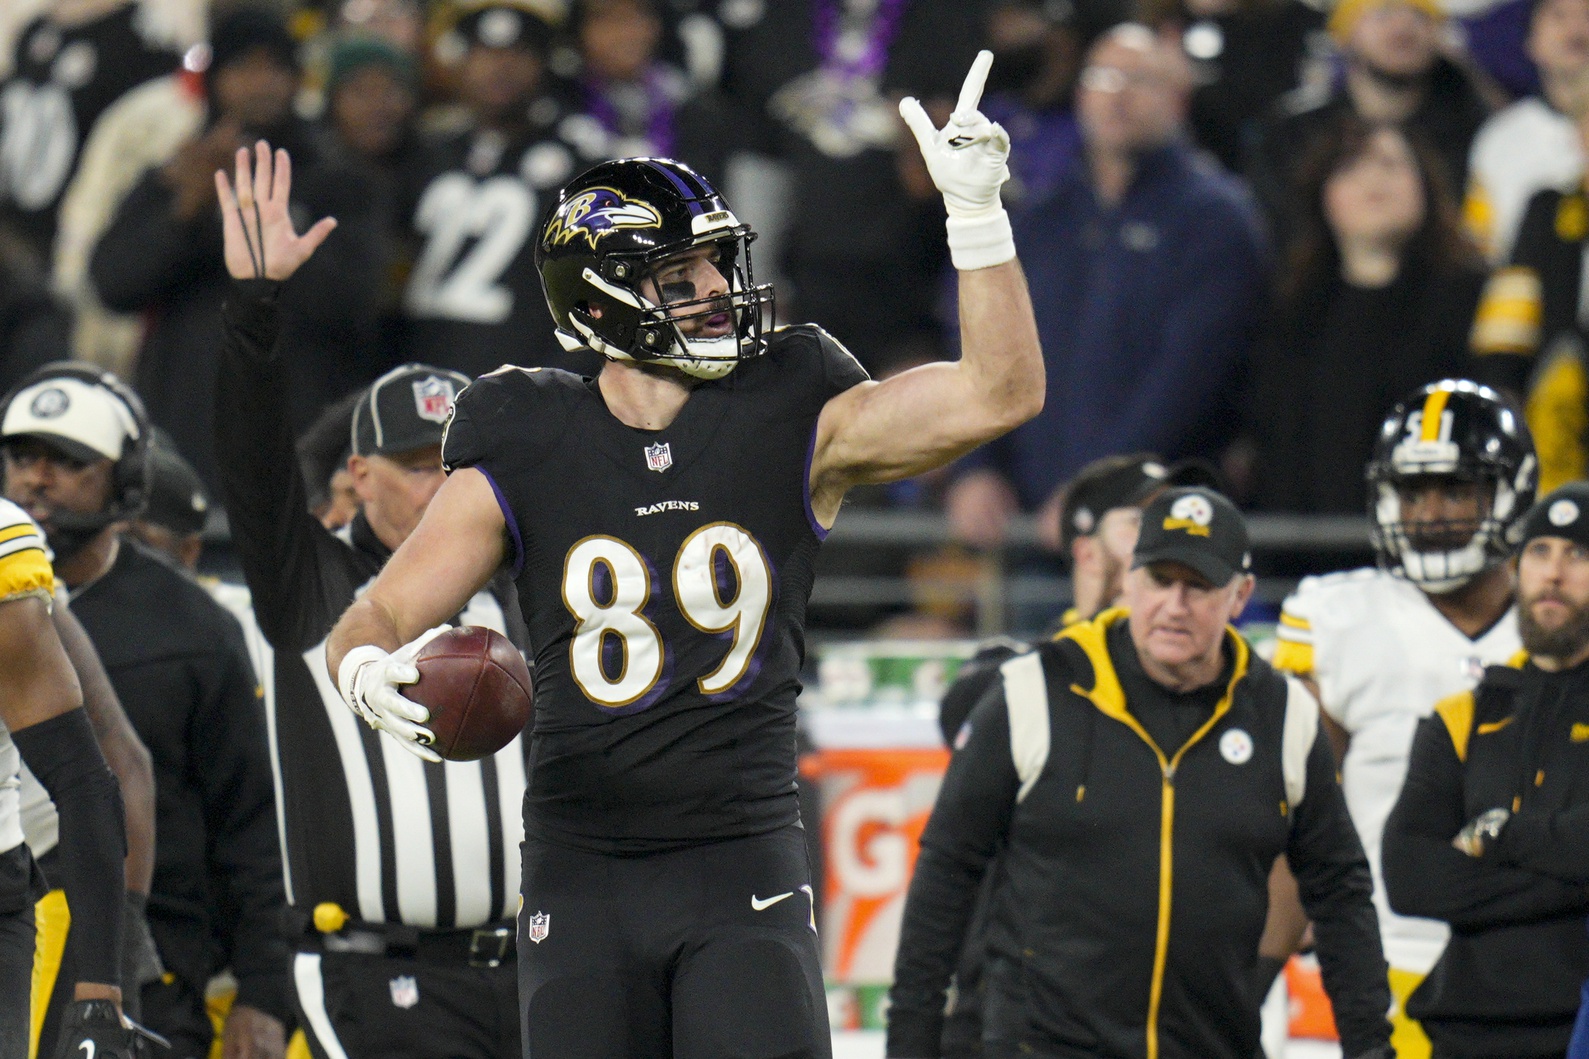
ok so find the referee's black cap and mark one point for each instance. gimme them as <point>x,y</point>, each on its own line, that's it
<point>405,409</point>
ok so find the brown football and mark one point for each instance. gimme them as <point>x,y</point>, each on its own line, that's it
<point>477,688</point>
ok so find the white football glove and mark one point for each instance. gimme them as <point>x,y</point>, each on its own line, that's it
<point>369,679</point>
<point>969,160</point>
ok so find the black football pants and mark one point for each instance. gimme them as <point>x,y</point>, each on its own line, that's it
<point>16,980</point>
<point>354,1006</point>
<point>703,953</point>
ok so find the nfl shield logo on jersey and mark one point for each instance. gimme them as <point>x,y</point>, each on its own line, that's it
<point>659,457</point>
<point>433,398</point>
<point>405,991</point>
<point>540,926</point>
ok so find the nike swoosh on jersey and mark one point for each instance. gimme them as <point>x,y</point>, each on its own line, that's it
<point>760,905</point>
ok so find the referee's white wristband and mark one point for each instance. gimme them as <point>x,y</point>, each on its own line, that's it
<point>348,672</point>
<point>981,242</point>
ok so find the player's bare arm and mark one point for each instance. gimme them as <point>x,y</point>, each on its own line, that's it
<point>40,682</point>
<point>450,556</point>
<point>928,416</point>
<point>459,543</point>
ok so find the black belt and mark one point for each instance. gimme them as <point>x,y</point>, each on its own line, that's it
<point>490,946</point>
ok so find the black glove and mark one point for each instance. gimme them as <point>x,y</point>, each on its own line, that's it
<point>94,1029</point>
<point>140,960</point>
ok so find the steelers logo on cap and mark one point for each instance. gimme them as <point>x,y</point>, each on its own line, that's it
<point>1194,509</point>
<point>1562,513</point>
<point>1083,520</point>
<point>50,403</point>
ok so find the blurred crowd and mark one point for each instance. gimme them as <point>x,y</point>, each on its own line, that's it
<point>1249,225</point>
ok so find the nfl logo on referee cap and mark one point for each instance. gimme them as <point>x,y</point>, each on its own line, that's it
<point>659,457</point>
<point>433,399</point>
<point>540,926</point>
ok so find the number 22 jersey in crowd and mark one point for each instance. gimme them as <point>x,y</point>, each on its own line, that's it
<point>664,577</point>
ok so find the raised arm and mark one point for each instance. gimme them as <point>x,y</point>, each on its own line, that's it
<point>930,415</point>
<point>457,546</point>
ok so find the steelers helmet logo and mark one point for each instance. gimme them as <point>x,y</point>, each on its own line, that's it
<point>1194,509</point>
<point>50,403</point>
<point>1561,513</point>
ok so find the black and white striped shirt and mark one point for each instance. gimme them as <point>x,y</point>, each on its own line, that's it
<point>365,824</point>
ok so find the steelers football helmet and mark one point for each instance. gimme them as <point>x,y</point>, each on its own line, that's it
<point>611,228</point>
<point>1462,431</point>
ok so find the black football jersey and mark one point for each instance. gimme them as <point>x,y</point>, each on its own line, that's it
<point>62,79</point>
<point>664,577</point>
<point>473,301</point>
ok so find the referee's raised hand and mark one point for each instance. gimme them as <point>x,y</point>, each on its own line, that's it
<point>260,241</point>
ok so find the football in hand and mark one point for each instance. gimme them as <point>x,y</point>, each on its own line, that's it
<point>477,688</point>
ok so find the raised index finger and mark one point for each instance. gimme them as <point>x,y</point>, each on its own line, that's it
<point>976,80</point>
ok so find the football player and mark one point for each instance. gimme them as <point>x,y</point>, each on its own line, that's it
<point>662,521</point>
<point>1453,473</point>
<point>43,723</point>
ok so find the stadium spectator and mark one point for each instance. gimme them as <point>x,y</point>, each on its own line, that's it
<point>1377,298</point>
<point>1037,48</point>
<point>71,62</point>
<point>161,253</point>
<point>473,300</point>
<point>140,131</point>
<point>1532,144</point>
<point>1528,338</point>
<point>1393,73</point>
<point>370,905</point>
<point>1245,55</point>
<point>34,328</point>
<point>627,102</point>
<point>1147,272</point>
<point>75,456</point>
<point>1489,834</point>
<point>1379,647</point>
<point>863,248</point>
<point>1093,758</point>
<point>372,97</point>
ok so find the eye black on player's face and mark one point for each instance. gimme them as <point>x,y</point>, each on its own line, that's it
<point>694,275</point>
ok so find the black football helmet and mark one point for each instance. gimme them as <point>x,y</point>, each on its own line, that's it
<point>1453,429</point>
<point>611,227</point>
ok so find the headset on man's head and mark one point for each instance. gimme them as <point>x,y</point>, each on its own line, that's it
<point>130,474</point>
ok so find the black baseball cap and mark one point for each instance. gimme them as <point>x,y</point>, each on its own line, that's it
<point>1196,527</point>
<point>1562,513</point>
<point>1122,481</point>
<point>405,409</point>
<point>177,498</point>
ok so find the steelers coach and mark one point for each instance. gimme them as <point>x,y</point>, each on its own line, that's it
<point>1141,773</point>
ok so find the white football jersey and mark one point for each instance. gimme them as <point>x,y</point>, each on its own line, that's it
<point>1382,656</point>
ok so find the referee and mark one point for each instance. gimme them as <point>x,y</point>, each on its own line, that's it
<point>401,875</point>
